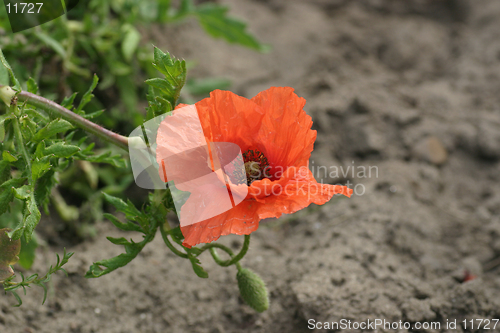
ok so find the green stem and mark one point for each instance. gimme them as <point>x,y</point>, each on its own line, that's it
<point>18,136</point>
<point>172,248</point>
<point>77,120</point>
<point>234,259</point>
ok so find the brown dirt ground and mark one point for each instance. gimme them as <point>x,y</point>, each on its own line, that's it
<point>410,87</point>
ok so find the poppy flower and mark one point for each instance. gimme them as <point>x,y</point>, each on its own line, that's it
<point>275,137</point>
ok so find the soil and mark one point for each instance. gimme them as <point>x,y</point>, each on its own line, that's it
<point>408,88</point>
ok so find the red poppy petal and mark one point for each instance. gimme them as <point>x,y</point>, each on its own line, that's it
<point>295,191</point>
<point>241,220</point>
<point>227,117</point>
<point>285,136</point>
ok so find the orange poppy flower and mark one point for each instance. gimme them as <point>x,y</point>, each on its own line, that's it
<point>274,134</point>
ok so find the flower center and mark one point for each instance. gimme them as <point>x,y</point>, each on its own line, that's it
<point>256,167</point>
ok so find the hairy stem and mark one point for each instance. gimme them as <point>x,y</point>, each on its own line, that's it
<point>19,140</point>
<point>77,120</point>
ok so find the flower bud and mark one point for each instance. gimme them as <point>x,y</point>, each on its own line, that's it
<point>253,290</point>
<point>6,94</point>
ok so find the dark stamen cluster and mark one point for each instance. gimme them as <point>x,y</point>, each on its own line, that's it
<point>256,165</point>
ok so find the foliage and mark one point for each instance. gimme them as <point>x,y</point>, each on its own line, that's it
<point>11,286</point>
<point>104,37</point>
<point>45,155</point>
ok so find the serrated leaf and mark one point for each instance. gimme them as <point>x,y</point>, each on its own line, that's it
<point>195,262</point>
<point>214,19</point>
<point>107,157</point>
<point>60,149</point>
<point>32,217</point>
<point>130,41</point>
<point>128,226</point>
<point>96,269</point>
<point>51,129</point>
<point>23,192</point>
<point>39,167</point>
<point>174,71</point>
<point>127,208</point>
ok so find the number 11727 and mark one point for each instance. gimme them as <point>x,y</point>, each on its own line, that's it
<point>22,6</point>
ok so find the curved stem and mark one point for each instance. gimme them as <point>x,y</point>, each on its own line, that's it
<point>234,259</point>
<point>218,260</point>
<point>77,120</point>
<point>169,244</point>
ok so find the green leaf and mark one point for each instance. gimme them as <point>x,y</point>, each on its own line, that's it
<point>44,187</point>
<point>4,76</point>
<point>174,71</point>
<point>118,241</point>
<point>195,262</point>
<point>31,217</point>
<point>23,192</point>
<point>6,193</point>
<point>39,167</point>
<point>51,129</point>
<point>157,105</point>
<point>107,157</point>
<point>130,41</point>
<point>87,97</point>
<point>32,86</point>
<point>213,18</point>
<point>127,208</point>
<point>68,101</point>
<point>176,233</point>
<point>131,249</point>
<point>128,226</point>
<point>10,286</point>
<point>60,149</point>
<point>3,118</point>
<point>17,85</point>
<point>93,114</point>
<point>7,156</point>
